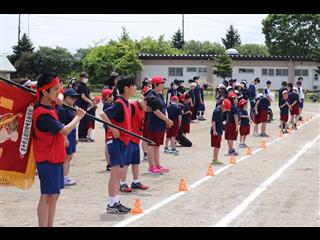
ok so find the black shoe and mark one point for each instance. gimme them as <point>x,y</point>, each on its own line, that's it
<point>124,208</point>
<point>117,208</point>
<point>295,126</point>
<point>300,118</point>
<point>90,139</point>
<point>108,168</point>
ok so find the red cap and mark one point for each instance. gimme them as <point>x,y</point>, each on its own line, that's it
<point>157,80</point>
<point>182,97</point>
<point>242,101</point>
<point>174,98</point>
<point>232,95</point>
<point>97,99</point>
<point>106,93</point>
<point>227,104</point>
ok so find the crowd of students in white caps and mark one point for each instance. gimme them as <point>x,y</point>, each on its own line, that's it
<point>153,116</point>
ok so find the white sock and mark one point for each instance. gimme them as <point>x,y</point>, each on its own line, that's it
<point>121,183</point>
<point>112,201</point>
<point>135,181</point>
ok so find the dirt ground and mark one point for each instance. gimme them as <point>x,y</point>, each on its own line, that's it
<point>291,200</point>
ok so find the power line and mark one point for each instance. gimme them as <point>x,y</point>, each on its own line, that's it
<point>102,21</point>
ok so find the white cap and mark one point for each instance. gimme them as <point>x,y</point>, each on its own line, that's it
<point>295,89</point>
<point>193,84</point>
<point>238,84</point>
<point>259,95</point>
<point>221,85</point>
<point>229,87</point>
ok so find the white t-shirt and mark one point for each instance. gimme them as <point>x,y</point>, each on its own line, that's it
<point>301,94</point>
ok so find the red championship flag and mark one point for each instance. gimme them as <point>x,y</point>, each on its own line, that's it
<point>17,165</point>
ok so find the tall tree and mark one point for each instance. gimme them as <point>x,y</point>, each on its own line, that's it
<point>156,46</point>
<point>253,49</point>
<point>24,45</point>
<point>118,56</point>
<point>124,35</point>
<point>206,47</point>
<point>291,34</point>
<point>53,60</point>
<point>177,40</point>
<point>232,38</point>
<point>223,66</point>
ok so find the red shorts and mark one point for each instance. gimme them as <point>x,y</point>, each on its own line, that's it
<point>157,137</point>
<point>215,141</point>
<point>186,127</point>
<point>261,117</point>
<point>295,109</point>
<point>244,130</point>
<point>230,132</point>
<point>90,124</point>
<point>284,117</point>
<point>174,130</point>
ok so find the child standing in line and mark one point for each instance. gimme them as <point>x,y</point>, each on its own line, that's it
<point>186,115</point>
<point>49,146</point>
<point>65,117</point>
<point>138,109</point>
<point>217,128</point>
<point>156,122</point>
<point>175,115</point>
<point>201,107</point>
<point>118,114</point>
<point>232,123</point>
<point>293,101</point>
<point>244,122</point>
<point>284,111</point>
<point>107,100</point>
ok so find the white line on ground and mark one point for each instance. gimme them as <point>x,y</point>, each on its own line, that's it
<point>262,187</point>
<point>195,184</point>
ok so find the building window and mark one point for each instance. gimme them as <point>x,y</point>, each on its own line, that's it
<point>175,72</point>
<point>264,71</point>
<point>191,69</point>
<point>271,72</point>
<point>246,70</point>
<point>305,72</point>
<point>281,72</point>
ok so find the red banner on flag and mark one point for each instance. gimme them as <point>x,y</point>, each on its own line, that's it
<point>17,166</point>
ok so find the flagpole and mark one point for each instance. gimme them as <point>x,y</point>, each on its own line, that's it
<point>87,114</point>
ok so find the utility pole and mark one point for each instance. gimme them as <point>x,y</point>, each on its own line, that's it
<point>183,27</point>
<point>19,28</point>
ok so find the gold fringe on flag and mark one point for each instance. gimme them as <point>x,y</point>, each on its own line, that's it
<point>20,180</point>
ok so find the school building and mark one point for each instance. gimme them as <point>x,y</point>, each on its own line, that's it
<point>273,68</point>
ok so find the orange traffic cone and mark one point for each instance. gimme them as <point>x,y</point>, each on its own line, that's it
<point>136,207</point>
<point>182,186</point>
<point>232,160</point>
<point>210,171</point>
<point>249,151</point>
<point>263,144</point>
<point>281,134</point>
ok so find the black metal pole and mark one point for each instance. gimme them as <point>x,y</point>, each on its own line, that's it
<point>87,114</point>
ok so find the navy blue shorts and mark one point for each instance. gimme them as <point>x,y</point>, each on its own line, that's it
<point>51,177</point>
<point>133,154</point>
<point>117,152</point>
<point>301,103</point>
<point>72,138</point>
<point>201,107</point>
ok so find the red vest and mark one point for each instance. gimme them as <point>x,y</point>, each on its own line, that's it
<point>126,123</point>
<point>47,146</point>
<point>137,122</point>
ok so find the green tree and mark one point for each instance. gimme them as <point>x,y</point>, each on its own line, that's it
<point>232,38</point>
<point>53,60</point>
<point>253,49</point>
<point>24,65</point>
<point>291,34</point>
<point>118,56</point>
<point>24,45</point>
<point>177,40</point>
<point>222,67</point>
<point>80,54</point>
<point>206,47</point>
<point>124,36</point>
<point>156,46</point>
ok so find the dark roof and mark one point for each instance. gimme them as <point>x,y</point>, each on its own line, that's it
<point>234,57</point>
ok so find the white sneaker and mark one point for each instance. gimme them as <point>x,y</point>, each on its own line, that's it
<point>69,182</point>
<point>166,150</point>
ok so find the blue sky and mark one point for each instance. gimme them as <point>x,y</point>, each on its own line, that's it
<point>73,31</point>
